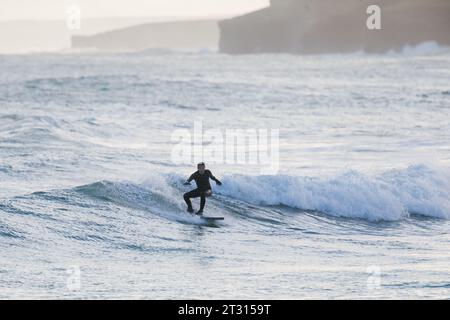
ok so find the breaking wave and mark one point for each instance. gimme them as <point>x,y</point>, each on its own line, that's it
<point>391,196</point>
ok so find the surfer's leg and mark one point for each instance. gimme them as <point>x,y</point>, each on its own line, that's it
<point>188,201</point>
<point>202,203</point>
<point>187,198</point>
<point>203,196</point>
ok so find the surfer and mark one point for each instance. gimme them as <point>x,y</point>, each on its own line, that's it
<point>201,177</point>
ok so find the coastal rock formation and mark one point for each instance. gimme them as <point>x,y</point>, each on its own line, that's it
<point>170,35</point>
<point>330,26</point>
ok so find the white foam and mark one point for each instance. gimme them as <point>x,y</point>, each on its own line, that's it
<point>424,48</point>
<point>390,196</point>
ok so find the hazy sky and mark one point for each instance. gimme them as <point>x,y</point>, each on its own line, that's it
<point>56,9</point>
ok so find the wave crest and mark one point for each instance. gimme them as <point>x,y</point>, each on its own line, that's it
<point>391,196</point>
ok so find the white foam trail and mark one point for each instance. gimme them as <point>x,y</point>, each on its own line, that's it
<point>390,196</point>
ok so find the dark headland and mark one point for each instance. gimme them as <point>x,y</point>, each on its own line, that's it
<point>330,26</point>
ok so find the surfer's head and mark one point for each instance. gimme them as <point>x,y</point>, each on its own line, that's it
<point>201,167</point>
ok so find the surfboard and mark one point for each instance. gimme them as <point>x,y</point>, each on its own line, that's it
<point>212,218</point>
<point>208,218</point>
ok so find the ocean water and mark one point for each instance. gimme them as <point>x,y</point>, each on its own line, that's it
<point>91,200</point>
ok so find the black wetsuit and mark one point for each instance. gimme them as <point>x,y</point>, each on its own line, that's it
<point>203,188</point>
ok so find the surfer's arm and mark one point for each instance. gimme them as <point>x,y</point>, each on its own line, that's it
<point>214,178</point>
<point>188,181</point>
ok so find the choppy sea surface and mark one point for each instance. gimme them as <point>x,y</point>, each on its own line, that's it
<point>91,200</point>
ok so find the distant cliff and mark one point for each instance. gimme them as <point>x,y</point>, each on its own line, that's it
<point>170,35</point>
<point>330,26</point>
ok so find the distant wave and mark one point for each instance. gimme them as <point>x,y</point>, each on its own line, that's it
<point>39,129</point>
<point>421,49</point>
<point>104,82</point>
<point>5,168</point>
<point>6,232</point>
<point>391,196</point>
<point>19,128</point>
<point>424,48</point>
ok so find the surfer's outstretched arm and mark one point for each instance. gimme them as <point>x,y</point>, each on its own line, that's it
<point>188,181</point>
<point>214,178</point>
